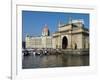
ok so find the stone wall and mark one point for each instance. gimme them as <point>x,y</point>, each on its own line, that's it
<point>39,42</point>
<point>77,41</point>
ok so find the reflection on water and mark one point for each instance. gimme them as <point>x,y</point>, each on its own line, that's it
<point>46,61</point>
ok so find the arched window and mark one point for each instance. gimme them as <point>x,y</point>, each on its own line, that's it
<point>74,46</point>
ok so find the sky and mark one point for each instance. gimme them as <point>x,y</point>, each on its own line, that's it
<point>33,21</point>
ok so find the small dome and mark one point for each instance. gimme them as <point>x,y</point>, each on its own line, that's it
<point>45,29</point>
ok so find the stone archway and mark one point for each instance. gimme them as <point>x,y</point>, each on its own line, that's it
<point>64,42</point>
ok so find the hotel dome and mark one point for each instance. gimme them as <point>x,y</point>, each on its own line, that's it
<point>45,31</point>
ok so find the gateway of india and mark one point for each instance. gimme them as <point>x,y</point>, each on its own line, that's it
<point>72,35</point>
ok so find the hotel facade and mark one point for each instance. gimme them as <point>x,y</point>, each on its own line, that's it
<point>72,35</point>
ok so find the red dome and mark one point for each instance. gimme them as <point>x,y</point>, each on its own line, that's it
<point>45,29</point>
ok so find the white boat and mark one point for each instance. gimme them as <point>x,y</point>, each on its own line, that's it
<point>34,53</point>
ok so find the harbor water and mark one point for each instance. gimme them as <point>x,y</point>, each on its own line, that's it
<point>48,61</point>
